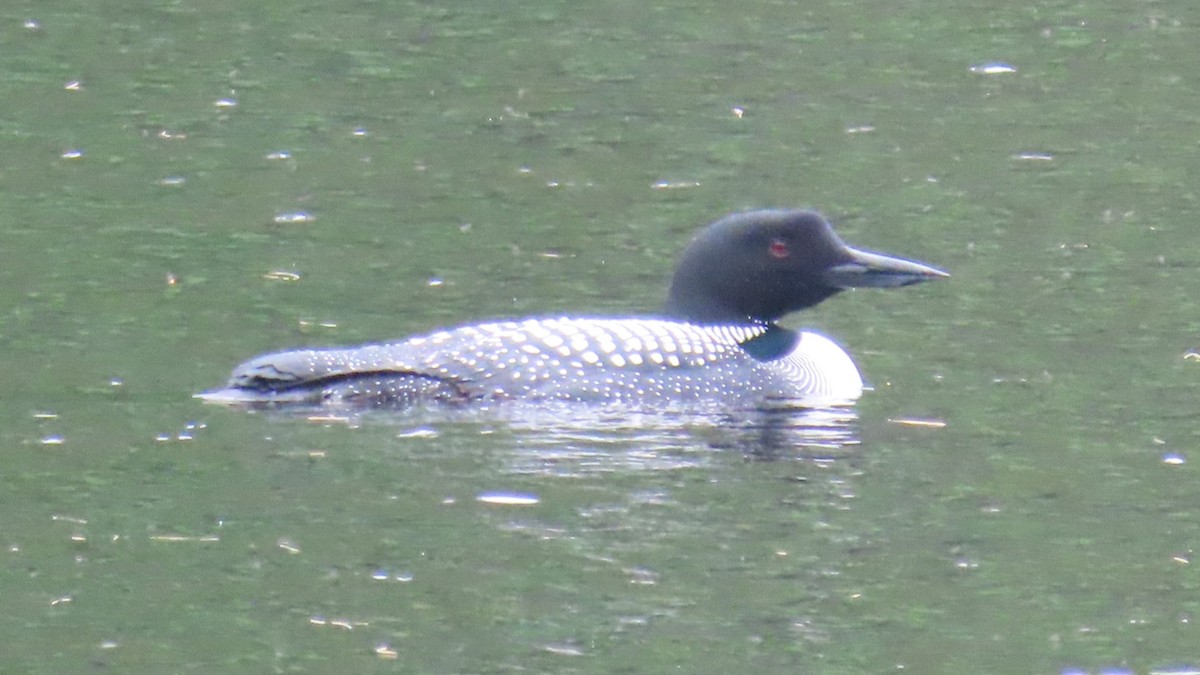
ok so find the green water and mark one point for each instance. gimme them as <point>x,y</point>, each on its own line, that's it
<point>452,162</point>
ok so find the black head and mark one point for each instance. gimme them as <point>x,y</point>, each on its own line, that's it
<point>760,265</point>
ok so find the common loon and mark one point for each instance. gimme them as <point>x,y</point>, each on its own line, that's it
<point>717,338</point>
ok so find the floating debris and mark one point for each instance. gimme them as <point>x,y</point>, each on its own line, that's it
<point>281,275</point>
<point>327,419</point>
<point>420,432</point>
<point>346,624</point>
<point>1174,459</point>
<point>992,68</point>
<point>674,184</point>
<point>383,575</point>
<point>293,217</point>
<point>563,649</point>
<point>926,424</point>
<point>68,519</point>
<point>508,498</point>
<point>385,651</point>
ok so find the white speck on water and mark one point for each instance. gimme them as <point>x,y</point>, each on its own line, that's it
<point>1174,459</point>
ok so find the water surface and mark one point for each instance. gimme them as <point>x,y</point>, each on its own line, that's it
<point>185,186</point>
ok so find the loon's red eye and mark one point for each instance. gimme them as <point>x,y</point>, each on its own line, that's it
<point>779,249</point>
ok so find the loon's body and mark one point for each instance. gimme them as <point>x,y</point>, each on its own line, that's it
<point>717,339</point>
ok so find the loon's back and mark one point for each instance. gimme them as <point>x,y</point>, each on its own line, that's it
<point>639,361</point>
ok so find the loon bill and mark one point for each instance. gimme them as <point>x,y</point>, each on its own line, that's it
<point>716,340</point>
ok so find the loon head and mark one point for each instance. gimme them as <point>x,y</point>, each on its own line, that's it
<point>757,266</point>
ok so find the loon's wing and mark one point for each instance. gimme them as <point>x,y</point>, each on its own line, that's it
<point>380,373</point>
